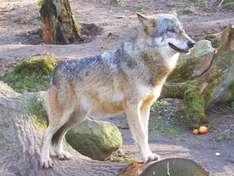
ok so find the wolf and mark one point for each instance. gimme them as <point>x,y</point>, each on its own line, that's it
<point>128,79</point>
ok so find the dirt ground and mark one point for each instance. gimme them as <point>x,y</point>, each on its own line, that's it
<point>19,26</point>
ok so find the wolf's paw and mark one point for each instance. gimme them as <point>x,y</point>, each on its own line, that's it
<point>47,164</point>
<point>64,155</point>
<point>151,157</point>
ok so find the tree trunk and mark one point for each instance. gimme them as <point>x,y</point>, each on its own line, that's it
<point>58,23</point>
<point>20,140</point>
<point>214,84</point>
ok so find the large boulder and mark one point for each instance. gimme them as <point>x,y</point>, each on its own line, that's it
<point>195,63</point>
<point>95,139</point>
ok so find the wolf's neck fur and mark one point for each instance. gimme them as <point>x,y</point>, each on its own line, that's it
<point>159,62</point>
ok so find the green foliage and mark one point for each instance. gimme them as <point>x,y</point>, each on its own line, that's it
<point>157,104</point>
<point>32,74</point>
<point>35,107</point>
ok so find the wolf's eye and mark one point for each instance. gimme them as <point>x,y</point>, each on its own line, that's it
<point>171,30</point>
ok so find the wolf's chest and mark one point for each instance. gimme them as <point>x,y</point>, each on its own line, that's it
<point>158,70</point>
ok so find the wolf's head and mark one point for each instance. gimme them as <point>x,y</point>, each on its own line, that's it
<point>165,32</point>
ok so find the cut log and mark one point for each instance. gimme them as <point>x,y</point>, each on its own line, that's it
<point>167,167</point>
<point>20,141</point>
<point>174,167</point>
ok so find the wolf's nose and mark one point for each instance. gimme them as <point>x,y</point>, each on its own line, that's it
<point>190,44</point>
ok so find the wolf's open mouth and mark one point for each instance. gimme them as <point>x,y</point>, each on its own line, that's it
<point>178,49</point>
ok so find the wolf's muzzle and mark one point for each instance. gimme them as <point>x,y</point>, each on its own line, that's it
<point>190,44</point>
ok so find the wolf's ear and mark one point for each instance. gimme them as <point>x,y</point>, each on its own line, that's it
<point>174,13</point>
<point>142,18</point>
<point>146,21</point>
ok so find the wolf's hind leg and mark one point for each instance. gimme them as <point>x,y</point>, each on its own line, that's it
<point>76,117</point>
<point>59,109</point>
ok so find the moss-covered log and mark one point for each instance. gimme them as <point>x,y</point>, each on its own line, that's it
<point>213,83</point>
<point>58,23</point>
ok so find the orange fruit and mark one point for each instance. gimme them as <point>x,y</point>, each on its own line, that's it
<point>203,130</point>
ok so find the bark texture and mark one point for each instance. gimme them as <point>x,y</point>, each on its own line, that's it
<point>58,24</point>
<point>20,140</point>
<point>214,84</point>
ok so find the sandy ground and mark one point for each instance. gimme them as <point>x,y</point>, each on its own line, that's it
<point>19,23</point>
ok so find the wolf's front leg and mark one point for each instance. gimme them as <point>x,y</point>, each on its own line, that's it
<point>136,124</point>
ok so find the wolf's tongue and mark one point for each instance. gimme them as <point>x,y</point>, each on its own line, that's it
<point>177,49</point>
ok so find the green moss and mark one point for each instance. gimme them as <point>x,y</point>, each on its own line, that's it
<point>232,105</point>
<point>231,88</point>
<point>187,9</point>
<point>42,2</point>
<point>228,4</point>
<point>195,105</point>
<point>214,39</point>
<point>119,156</point>
<point>221,64</point>
<point>182,72</point>
<point>32,74</point>
<point>35,107</point>
<point>229,95</point>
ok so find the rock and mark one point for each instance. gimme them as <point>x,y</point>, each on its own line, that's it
<point>95,139</point>
<point>195,63</point>
<point>202,55</point>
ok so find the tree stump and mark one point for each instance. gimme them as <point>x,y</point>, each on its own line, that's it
<point>58,23</point>
<point>174,167</point>
<point>166,167</point>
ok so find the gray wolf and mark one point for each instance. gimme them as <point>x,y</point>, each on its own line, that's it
<point>128,79</point>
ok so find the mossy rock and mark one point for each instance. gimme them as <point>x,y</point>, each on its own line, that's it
<point>32,75</point>
<point>95,139</point>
